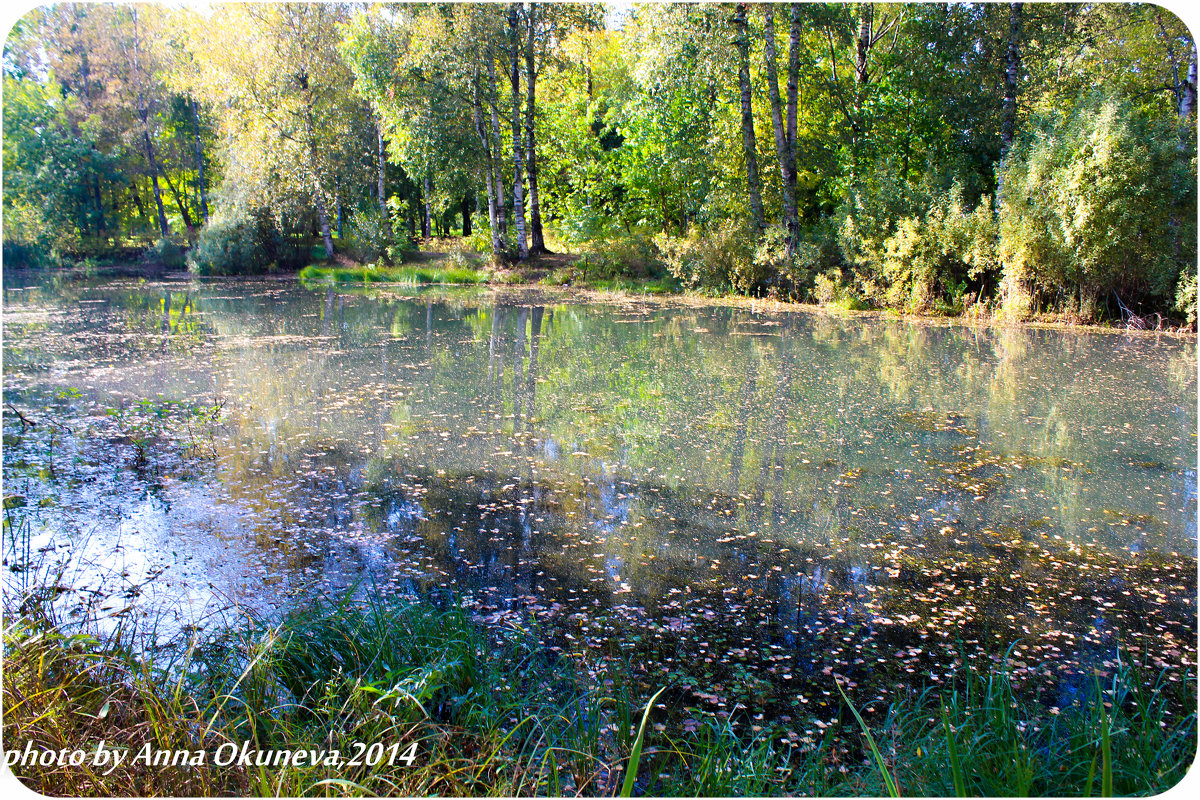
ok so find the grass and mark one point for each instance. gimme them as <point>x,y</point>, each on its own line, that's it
<point>410,275</point>
<point>576,278</point>
<point>492,714</point>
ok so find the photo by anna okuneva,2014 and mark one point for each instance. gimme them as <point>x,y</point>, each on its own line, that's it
<point>567,399</point>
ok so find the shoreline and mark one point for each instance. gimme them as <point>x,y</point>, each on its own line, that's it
<point>686,297</point>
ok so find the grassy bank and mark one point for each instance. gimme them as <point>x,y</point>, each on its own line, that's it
<point>409,275</point>
<point>492,714</point>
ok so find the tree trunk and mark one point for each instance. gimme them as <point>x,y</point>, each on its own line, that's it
<point>153,164</point>
<point>518,144</point>
<point>137,202</point>
<point>98,201</point>
<point>749,146</point>
<point>1008,109</point>
<point>182,206</point>
<point>426,216</point>
<point>498,150</point>
<point>162,214</point>
<point>862,49</point>
<point>466,216</point>
<point>383,206</point>
<point>793,84</point>
<point>1187,93</point>
<point>481,129</point>
<point>339,211</point>
<point>322,217</point>
<point>201,190</point>
<point>1012,68</point>
<point>144,114</point>
<point>537,242</point>
<point>783,148</point>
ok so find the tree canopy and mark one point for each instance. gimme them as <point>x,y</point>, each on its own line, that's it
<point>923,156</point>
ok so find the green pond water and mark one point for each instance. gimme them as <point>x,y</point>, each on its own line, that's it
<point>736,502</point>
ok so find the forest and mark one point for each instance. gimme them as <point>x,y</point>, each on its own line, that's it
<point>346,452</point>
<point>983,159</point>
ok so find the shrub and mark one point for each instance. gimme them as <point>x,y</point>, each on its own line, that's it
<point>164,252</point>
<point>237,244</point>
<point>816,251</point>
<point>716,259</point>
<point>461,259</point>
<point>480,240</point>
<point>630,255</point>
<point>1185,298</point>
<point>1096,200</point>
<point>916,248</point>
<point>29,240</point>
<point>832,289</point>
<point>367,235</point>
<point>31,255</point>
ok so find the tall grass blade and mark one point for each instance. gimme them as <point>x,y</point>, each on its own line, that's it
<point>889,781</point>
<point>952,748</point>
<point>636,755</point>
<point>1106,767</point>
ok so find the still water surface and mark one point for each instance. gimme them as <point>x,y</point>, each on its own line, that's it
<point>740,502</point>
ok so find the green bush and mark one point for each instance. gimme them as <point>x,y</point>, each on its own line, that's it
<point>928,259</point>
<point>716,259</point>
<point>831,288</point>
<point>1185,298</point>
<point>1099,199</point>
<point>29,239</point>
<point>480,240</point>
<point>367,235</point>
<point>617,255</point>
<point>164,252</point>
<point>795,273</point>
<point>915,247</point>
<point>237,244</point>
<point>30,255</point>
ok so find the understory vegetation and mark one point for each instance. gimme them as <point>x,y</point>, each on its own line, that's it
<point>371,273</point>
<point>491,714</point>
<point>996,160</point>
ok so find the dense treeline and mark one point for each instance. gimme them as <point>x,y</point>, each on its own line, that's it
<point>926,157</point>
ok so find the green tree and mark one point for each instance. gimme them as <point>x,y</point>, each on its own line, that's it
<point>1099,201</point>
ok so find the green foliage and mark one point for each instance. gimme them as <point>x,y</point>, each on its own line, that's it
<point>619,255</point>
<point>1099,199</point>
<point>479,240</point>
<point>367,235</point>
<point>928,258</point>
<point>237,244</point>
<point>897,141</point>
<point>410,275</point>
<point>165,252</point>
<point>832,288</point>
<point>1185,297</point>
<point>716,260</point>
<point>915,248</point>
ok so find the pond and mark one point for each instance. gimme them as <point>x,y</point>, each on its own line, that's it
<point>736,501</point>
